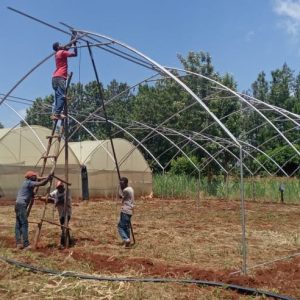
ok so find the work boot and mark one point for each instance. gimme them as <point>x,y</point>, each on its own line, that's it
<point>27,248</point>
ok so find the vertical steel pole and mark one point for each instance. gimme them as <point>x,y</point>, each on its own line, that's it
<point>108,126</point>
<point>66,133</point>
<point>162,181</point>
<point>227,186</point>
<point>243,217</point>
<point>198,190</point>
<point>253,188</point>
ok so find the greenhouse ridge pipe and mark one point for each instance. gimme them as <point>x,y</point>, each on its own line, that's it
<point>238,288</point>
<point>116,52</point>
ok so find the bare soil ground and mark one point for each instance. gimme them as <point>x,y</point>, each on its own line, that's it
<point>175,239</point>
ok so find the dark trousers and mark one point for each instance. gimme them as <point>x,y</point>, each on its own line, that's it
<point>21,228</point>
<point>124,226</point>
<point>59,86</point>
<point>63,230</point>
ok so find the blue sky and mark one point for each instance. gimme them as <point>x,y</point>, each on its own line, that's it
<point>244,37</point>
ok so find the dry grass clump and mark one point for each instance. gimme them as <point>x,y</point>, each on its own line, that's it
<point>17,283</point>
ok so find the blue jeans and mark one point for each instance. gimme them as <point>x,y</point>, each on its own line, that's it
<point>59,86</point>
<point>124,226</point>
<point>21,229</point>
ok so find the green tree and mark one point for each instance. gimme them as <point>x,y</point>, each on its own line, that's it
<point>183,166</point>
<point>285,156</point>
<point>223,104</point>
<point>83,101</point>
<point>282,86</point>
<point>279,92</point>
<point>260,87</point>
<point>121,101</point>
<point>154,106</point>
<point>261,91</point>
<point>293,102</point>
<point>39,113</point>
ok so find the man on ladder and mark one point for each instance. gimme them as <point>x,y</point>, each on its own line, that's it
<point>60,75</point>
<point>60,83</point>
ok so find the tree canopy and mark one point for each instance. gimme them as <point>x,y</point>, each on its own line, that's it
<point>169,121</point>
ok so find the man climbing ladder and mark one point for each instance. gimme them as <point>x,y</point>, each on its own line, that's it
<point>60,75</point>
<point>60,82</point>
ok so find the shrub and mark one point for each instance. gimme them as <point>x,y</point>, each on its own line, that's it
<point>183,166</point>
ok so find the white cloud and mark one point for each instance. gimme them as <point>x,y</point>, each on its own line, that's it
<point>289,11</point>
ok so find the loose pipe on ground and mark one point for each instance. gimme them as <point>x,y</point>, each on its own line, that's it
<point>238,288</point>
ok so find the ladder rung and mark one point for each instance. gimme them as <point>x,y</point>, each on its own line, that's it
<point>53,136</point>
<point>49,156</point>
<point>54,223</point>
<point>65,182</point>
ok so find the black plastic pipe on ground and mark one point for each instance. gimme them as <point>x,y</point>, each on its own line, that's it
<point>238,288</point>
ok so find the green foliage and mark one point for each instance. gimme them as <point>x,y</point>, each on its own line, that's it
<point>198,62</point>
<point>285,156</point>
<point>260,87</point>
<point>281,85</point>
<point>1,125</point>
<point>39,113</point>
<point>183,165</point>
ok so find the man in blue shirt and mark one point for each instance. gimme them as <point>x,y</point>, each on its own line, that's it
<point>24,197</point>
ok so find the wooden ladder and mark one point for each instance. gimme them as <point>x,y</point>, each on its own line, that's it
<point>53,140</point>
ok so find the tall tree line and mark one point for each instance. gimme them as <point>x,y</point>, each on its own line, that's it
<point>165,103</point>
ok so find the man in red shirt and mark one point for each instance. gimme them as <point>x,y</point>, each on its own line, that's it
<point>59,77</point>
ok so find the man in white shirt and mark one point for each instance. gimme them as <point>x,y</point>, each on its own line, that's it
<point>58,196</point>
<point>127,195</point>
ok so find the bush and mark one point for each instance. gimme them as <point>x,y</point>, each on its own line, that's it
<point>183,166</point>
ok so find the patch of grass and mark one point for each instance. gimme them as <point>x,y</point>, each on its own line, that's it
<point>256,188</point>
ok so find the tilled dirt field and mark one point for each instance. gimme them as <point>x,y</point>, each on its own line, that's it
<point>174,239</point>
